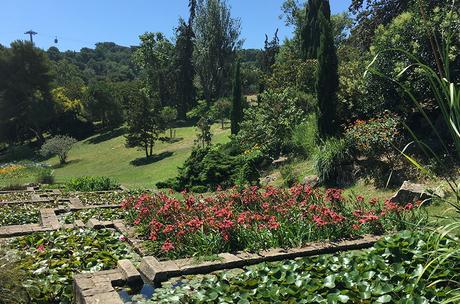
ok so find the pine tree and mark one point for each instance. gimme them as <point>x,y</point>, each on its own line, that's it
<point>327,81</point>
<point>237,107</point>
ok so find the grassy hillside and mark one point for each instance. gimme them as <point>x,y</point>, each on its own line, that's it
<point>106,155</point>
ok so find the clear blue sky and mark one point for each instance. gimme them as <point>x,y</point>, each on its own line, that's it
<point>81,23</point>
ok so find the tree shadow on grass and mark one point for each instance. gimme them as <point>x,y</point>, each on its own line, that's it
<point>58,165</point>
<point>142,161</point>
<point>106,136</point>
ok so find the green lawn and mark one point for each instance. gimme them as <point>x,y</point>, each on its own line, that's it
<point>106,155</point>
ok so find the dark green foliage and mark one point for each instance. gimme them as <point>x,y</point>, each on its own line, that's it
<point>185,68</point>
<point>92,183</point>
<point>144,124</point>
<point>107,61</point>
<point>211,167</point>
<point>26,106</point>
<point>334,162</point>
<point>313,27</point>
<point>237,106</point>
<point>271,49</point>
<point>327,82</point>
<point>102,104</point>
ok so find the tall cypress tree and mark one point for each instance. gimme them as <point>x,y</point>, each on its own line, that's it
<point>312,27</point>
<point>237,107</point>
<point>184,63</point>
<point>327,80</point>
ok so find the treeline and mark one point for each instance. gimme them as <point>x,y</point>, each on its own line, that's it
<point>78,93</point>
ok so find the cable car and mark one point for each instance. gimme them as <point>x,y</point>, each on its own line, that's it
<point>56,40</point>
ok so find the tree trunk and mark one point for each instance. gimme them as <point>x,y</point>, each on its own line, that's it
<point>151,148</point>
<point>38,133</point>
<point>222,121</point>
<point>146,150</point>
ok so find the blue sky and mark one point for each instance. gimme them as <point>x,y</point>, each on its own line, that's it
<point>81,23</point>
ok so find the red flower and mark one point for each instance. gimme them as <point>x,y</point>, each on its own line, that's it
<point>167,246</point>
<point>409,206</point>
<point>41,248</point>
<point>360,198</point>
<point>356,227</point>
<point>168,229</point>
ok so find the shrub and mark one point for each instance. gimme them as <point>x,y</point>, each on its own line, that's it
<point>92,183</point>
<point>333,162</point>
<point>270,123</point>
<point>289,175</point>
<point>304,138</point>
<point>45,176</point>
<point>59,145</point>
<point>211,167</point>
<point>11,279</point>
<point>377,136</point>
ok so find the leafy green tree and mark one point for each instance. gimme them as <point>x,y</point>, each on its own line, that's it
<point>222,109</point>
<point>155,58</point>
<point>370,14</point>
<point>143,121</point>
<point>168,115</point>
<point>26,104</point>
<point>217,39</point>
<point>237,104</point>
<point>102,105</point>
<point>58,145</point>
<point>327,81</point>
<point>204,135</point>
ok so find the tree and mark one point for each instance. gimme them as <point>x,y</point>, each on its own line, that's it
<point>155,58</point>
<point>184,63</point>
<point>204,135</point>
<point>217,39</point>
<point>26,104</point>
<point>102,105</point>
<point>237,107</point>
<point>58,145</point>
<point>185,68</point>
<point>271,49</point>
<point>372,13</point>
<point>168,116</point>
<point>312,26</point>
<point>144,124</point>
<point>222,109</point>
<point>327,82</point>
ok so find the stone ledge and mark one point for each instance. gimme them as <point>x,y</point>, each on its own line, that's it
<point>98,287</point>
<point>129,272</point>
<point>158,272</point>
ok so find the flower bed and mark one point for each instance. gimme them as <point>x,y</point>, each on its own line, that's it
<point>20,214</point>
<point>102,214</point>
<point>256,219</point>
<point>390,272</point>
<point>51,259</point>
